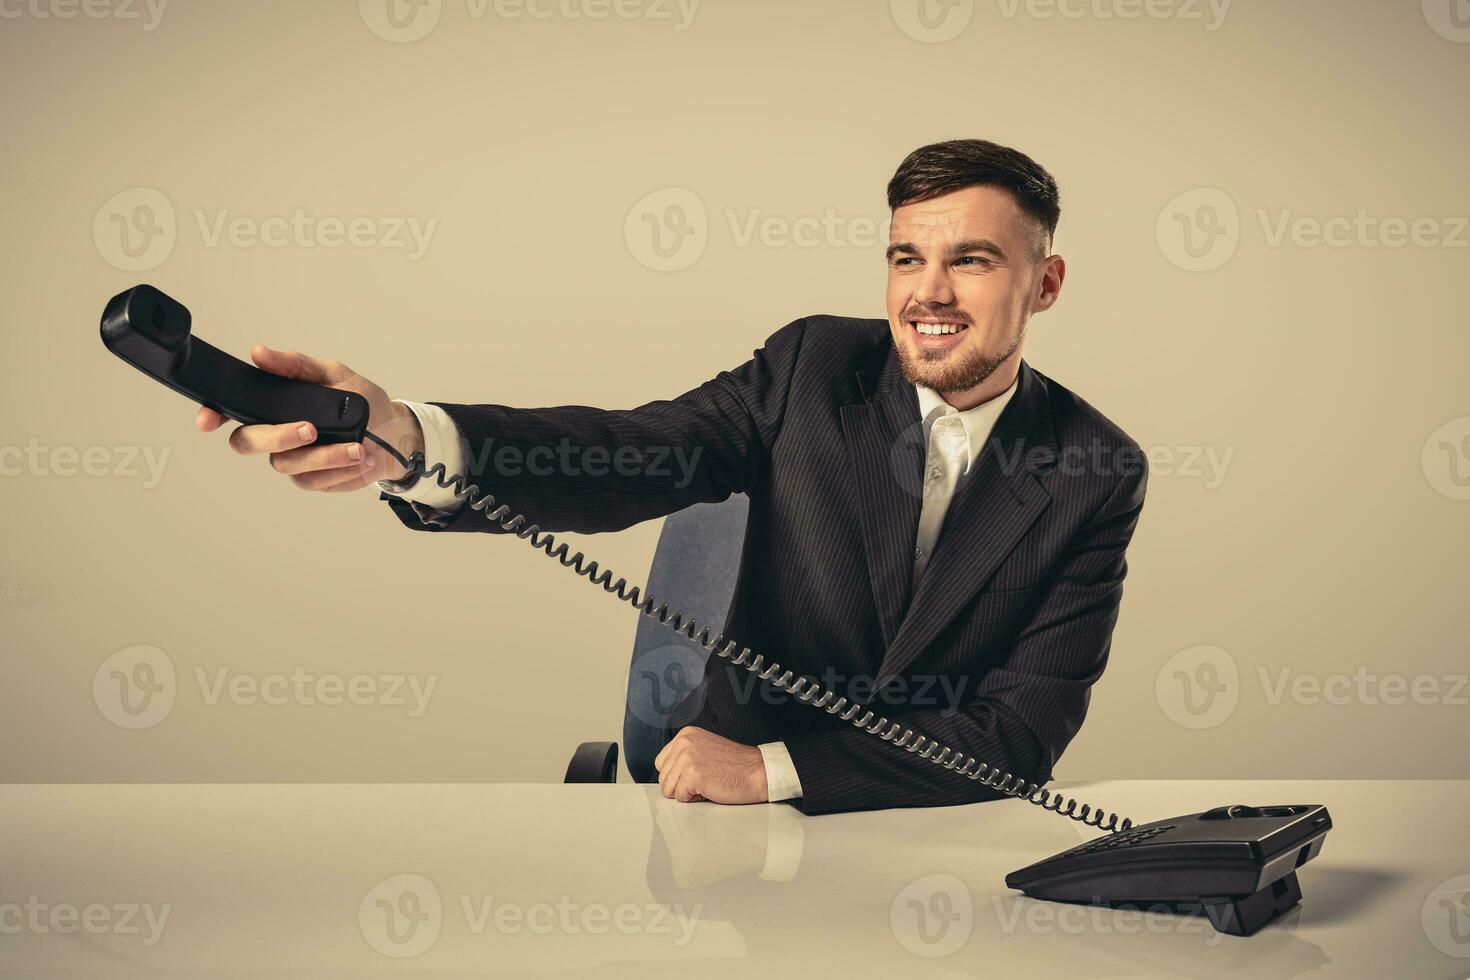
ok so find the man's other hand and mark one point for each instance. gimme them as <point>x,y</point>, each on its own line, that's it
<point>700,765</point>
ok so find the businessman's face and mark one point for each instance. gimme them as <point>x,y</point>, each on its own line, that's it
<point>965,272</point>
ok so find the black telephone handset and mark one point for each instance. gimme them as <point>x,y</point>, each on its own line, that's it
<point>1237,863</point>
<point>151,331</point>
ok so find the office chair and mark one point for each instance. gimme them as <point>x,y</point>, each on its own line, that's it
<point>694,570</point>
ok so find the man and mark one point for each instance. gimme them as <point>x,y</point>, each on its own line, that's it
<point>936,529</point>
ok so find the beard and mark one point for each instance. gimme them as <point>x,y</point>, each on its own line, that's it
<point>955,370</point>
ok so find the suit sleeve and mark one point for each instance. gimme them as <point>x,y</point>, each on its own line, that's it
<point>1020,716</point>
<point>583,469</point>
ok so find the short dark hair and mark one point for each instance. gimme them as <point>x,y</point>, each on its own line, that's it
<point>939,168</point>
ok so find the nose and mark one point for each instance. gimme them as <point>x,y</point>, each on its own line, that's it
<point>933,288</point>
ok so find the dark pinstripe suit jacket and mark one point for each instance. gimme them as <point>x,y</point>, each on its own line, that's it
<point>994,653</point>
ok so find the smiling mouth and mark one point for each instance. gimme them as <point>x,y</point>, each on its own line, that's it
<point>936,328</point>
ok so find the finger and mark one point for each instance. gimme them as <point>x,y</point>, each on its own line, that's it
<point>328,479</point>
<point>249,440</point>
<point>671,755</point>
<point>294,364</point>
<point>208,419</point>
<point>678,739</point>
<point>687,786</point>
<point>308,459</point>
<point>666,780</point>
<point>353,483</point>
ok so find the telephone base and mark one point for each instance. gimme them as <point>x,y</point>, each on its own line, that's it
<point>1245,916</point>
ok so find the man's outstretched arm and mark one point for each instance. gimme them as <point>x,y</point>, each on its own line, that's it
<point>584,469</point>
<point>571,467</point>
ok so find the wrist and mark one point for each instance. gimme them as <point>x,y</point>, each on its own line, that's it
<point>760,787</point>
<point>403,431</point>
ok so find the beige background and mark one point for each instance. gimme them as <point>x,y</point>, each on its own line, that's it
<point>1335,540</point>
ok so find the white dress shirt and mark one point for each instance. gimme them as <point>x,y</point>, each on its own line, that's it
<point>953,441</point>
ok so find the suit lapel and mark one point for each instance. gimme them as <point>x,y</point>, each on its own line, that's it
<point>886,457</point>
<point>997,505</point>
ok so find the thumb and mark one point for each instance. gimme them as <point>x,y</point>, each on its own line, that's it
<point>289,364</point>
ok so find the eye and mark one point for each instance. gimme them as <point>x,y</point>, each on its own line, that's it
<point>904,260</point>
<point>974,260</point>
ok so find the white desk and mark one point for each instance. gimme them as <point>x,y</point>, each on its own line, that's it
<point>299,880</point>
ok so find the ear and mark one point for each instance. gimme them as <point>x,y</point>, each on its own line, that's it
<point>1053,270</point>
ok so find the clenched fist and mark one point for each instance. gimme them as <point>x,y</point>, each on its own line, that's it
<point>700,765</point>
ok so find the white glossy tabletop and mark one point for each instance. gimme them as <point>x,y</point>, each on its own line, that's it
<point>472,880</point>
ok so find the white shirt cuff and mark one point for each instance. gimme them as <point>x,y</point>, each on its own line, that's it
<point>782,783</point>
<point>442,444</point>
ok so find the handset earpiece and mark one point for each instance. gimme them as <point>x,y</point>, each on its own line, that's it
<point>153,332</point>
<point>148,328</point>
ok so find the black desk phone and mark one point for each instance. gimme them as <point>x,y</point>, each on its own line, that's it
<point>1235,863</point>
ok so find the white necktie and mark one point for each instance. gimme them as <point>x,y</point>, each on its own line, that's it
<point>945,459</point>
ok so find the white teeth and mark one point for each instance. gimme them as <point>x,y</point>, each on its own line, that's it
<point>936,329</point>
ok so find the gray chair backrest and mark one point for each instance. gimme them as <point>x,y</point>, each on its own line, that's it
<point>694,570</point>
